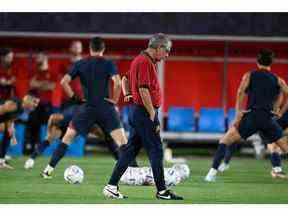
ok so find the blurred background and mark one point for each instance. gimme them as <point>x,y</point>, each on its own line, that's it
<point>211,52</point>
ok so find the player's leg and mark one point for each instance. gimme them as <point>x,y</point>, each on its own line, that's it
<point>231,136</point>
<point>128,153</point>
<point>53,132</point>
<point>4,146</point>
<point>274,134</point>
<point>246,128</point>
<point>80,124</point>
<point>230,149</point>
<point>59,152</point>
<point>119,134</point>
<point>275,158</point>
<point>111,144</point>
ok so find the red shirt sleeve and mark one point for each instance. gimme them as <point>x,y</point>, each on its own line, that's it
<point>144,75</point>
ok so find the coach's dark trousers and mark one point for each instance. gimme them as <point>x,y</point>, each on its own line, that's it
<point>144,133</point>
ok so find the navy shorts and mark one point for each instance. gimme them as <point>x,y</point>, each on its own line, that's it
<point>260,121</point>
<point>104,115</point>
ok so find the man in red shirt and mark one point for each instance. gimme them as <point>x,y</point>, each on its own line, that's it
<point>143,118</point>
<point>75,52</point>
<point>7,75</point>
<point>43,82</point>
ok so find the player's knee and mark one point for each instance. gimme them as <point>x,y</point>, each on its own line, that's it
<point>121,141</point>
<point>230,137</point>
<point>55,133</point>
<point>69,136</point>
<point>282,143</point>
<point>119,136</point>
<point>272,147</point>
<point>55,118</point>
<point>224,140</point>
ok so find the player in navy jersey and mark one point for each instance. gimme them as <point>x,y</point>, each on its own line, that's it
<point>57,126</point>
<point>10,110</point>
<point>263,89</point>
<point>95,73</point>
<point>274,151</point>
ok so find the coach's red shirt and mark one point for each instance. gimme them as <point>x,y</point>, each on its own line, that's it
<point>143,73</point>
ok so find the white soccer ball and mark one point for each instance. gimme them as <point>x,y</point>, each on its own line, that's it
<point>183,170</point>
<point>74,175</point>
<point>171,177</point>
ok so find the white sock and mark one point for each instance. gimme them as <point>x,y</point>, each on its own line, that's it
<point>212,172</point>
<point>48,169</point>
<point>162,192</point>
<point>2,160</point>
<point>277,169</point>
<point>113,187</point>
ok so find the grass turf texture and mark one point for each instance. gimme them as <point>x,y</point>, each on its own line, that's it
<point>248,181</point>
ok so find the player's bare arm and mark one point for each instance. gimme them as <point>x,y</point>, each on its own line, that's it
<point>116,89</point>
<point>146,98</point>
<point>65,82</point>
<point>278,104</point>
<point>126,89</point>
<point>48,85</point>
<point>8,106</point>
<point>10,81</point>
<point>284,91</point>
<point>34,83</point>
<point>241,95</point>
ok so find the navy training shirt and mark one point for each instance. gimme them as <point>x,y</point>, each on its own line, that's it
<point>263,90</point>
<point>94,74</point>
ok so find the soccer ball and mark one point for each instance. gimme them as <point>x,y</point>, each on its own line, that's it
<point>182,170</point>
<point>172,178</point>
<point>74,175</point>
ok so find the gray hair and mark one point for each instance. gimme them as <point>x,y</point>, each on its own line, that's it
<point>160,40</point>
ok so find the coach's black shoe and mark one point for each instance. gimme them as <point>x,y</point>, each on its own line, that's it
<point>168,195</point>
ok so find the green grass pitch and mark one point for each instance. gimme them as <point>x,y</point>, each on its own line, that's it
<point>248,181</point>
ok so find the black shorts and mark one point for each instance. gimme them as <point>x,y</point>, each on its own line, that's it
<point>104,115</point>
<point>260,121</point>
